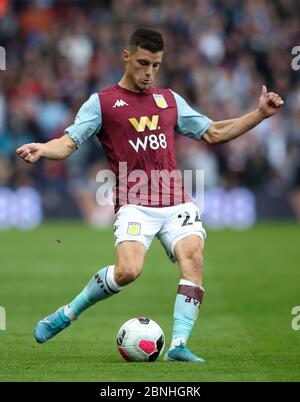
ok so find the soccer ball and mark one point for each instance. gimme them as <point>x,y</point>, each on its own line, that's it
<point>140,340</point>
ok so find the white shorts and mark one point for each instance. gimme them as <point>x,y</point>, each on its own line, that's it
<point>168,224</point>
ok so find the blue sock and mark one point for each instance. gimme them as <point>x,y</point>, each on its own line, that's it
<point>100,287</point>
<point>188,300</point>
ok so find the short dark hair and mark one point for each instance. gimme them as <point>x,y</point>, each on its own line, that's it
<point>146,39</point>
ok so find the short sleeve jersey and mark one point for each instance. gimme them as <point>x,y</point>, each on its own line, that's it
<point>137,131</point>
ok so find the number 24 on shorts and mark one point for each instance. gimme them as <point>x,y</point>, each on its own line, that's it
<point>187,220</point>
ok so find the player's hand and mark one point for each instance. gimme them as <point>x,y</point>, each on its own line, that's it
<point>31,153</point>
<point>269,102</point>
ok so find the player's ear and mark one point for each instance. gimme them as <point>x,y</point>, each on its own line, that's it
<point>125,55</point>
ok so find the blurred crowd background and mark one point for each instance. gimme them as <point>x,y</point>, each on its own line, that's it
<point>217,56</point>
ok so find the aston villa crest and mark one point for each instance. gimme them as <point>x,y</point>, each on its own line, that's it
<point>160,101</point>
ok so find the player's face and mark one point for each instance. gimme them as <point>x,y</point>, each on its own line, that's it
<point>141,67</point>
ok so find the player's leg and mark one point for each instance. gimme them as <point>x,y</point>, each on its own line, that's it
<point>111,279</point>
<point>182,236</point>
<point>188,252</point>
<point>130,256</point>
<point>107,282</point>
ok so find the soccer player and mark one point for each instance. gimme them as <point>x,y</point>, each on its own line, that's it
<point>135,123</point>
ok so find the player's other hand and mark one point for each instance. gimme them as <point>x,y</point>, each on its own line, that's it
<point>31,153</point>
<point>269,102</point>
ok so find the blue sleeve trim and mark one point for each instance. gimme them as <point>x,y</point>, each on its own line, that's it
<point>190,122</point>
<point>88,121</point>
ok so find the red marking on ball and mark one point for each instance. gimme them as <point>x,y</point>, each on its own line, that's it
<point>123,353</point>
<point>147,346</point>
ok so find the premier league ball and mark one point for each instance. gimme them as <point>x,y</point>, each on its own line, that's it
<point>140,340</point>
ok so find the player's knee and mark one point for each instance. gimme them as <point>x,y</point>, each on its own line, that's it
<point>195,257</point>
<point>125,274</point>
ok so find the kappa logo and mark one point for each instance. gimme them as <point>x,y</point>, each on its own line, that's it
<point>144,122</point>
<point>120,103</point>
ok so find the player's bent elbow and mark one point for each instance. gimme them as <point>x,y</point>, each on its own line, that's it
<point>212,135</point>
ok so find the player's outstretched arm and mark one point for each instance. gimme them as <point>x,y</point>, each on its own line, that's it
<point>226,130</point>
<point>57,149</point>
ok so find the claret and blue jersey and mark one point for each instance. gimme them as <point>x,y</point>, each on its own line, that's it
<point>138,128</point>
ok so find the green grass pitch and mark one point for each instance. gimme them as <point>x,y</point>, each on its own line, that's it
<point>252,282</point>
